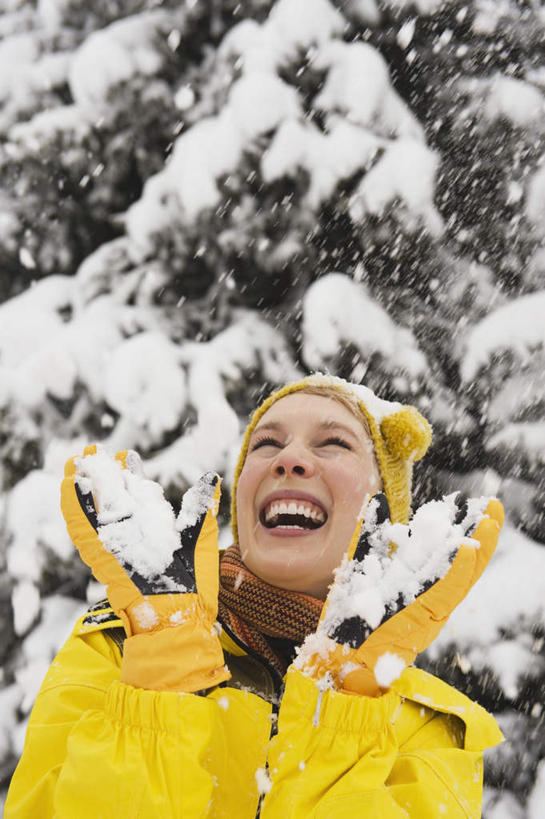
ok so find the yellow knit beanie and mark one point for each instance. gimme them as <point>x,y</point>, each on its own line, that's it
<point>401,436</point>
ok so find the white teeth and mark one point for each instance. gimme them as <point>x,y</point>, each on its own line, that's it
<point>276,508</point>
<point>291,526</point>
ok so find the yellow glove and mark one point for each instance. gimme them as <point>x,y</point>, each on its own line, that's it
<point>396,589</point>
<point>161,573</point>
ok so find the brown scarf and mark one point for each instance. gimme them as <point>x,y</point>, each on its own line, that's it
<point>269,620</point>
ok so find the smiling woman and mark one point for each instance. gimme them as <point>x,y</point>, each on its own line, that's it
<point>300,699</point>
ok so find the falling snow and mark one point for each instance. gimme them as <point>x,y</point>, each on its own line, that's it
<point>196,207</point>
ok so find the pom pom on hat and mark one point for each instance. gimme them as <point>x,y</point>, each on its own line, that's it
<point>406,433</point>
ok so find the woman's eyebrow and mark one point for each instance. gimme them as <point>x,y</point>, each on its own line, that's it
<point>270,425</point>
<point>332,425</point>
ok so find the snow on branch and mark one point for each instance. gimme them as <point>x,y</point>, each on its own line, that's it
<point>338,311</point>
<point>27,77</point>
<point>364,117</point>
<point>501,96</point>
<point>524,390</point>
<point>18,53</point>
<point>293,26</point>
<point>55,15</point>
<point>78,349</point>
<point>422,6</point>
<point>35,526</point>
<point>358,85</point>
<point>212,148</point>
<point>145,384</point>
<point>517,326</point>
<point>115,54</point>
<point>34,314</point>
<point>525,436</point>
<point>47,125</point>
<point>327,158</point>
<point>534,205</point>
<point>406,173</point>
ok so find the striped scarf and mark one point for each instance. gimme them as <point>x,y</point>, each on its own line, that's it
<point>267,619</point>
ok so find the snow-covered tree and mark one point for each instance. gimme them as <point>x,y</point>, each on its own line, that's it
<point>200,201</point>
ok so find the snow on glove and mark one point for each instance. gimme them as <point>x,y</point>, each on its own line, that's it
<point>395,590</point>
<point>161,572</point>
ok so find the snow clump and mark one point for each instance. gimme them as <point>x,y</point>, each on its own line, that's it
<point>423,553</point>
<point>388,669</point>
<point>197,501</point>
<point>136,522</point>
<point>263,780</point>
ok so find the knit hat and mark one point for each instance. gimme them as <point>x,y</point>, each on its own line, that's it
<point>401,436</point>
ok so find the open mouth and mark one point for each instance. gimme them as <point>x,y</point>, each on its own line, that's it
<point>292,514</point>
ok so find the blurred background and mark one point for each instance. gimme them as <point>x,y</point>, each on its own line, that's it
<point>202,200</point>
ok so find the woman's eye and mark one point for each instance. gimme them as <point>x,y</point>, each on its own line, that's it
<point>261,442</point>
<point>336,442</point>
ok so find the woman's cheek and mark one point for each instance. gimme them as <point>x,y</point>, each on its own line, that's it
<point>374,483</point>
<point>245,494</point>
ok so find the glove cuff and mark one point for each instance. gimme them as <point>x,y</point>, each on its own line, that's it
<point>185,658</point>
<point>361,681</point>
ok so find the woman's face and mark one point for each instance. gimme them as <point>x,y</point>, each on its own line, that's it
<point>309,467</point>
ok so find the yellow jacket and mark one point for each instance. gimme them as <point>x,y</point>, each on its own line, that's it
<point>97,748</point>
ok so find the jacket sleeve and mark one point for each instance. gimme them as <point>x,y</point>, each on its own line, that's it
<point>97,747</point>
<point>338,755</point>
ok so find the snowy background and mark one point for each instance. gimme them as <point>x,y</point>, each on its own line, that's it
<point>202,200</point>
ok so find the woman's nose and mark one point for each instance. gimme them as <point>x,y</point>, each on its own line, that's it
<point>293,461</point>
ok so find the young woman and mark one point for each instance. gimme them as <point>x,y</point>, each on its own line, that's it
<point>282,687</point>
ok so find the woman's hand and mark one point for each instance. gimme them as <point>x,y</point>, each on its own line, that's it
<point>395,590</point>
<point>161,572</point>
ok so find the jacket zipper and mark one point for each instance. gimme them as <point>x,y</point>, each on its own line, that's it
<point>277,685</point>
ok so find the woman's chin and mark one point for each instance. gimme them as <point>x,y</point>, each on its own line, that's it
<point>287,560</point>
